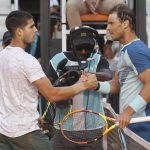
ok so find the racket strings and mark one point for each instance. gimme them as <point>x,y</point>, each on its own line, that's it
<point>84,135</point>
<point>83,126</point>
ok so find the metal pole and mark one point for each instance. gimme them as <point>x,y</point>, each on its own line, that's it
<point>44,41</point>
<point>141,19</point>
<point>45,32</point>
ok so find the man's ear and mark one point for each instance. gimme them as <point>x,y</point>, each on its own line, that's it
<point>19,32</point>
<point>126,24</point>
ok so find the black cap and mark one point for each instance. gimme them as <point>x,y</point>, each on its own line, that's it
<point>7,37</point>
<point>83,35</point>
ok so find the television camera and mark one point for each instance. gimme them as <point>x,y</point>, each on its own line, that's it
<point>68,75</point>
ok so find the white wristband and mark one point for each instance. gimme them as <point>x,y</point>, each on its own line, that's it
<point>83,0</point>
<point>104,87</point>
<point>137,103</point>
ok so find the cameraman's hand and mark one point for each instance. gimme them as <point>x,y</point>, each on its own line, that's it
<point>89,80</point>
<point>92,5</point>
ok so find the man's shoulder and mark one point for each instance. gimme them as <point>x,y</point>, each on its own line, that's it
<point>135,45</point>
<point>137,49</point>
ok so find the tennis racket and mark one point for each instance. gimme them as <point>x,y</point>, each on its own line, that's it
<point>46,110</point>
<point>87,126</point>
<point>49,114</point>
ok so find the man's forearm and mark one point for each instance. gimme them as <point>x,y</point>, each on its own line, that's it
<point>61,93</point>
<point>109,87</point>
<point>52,93</point>
<point>103,76</point>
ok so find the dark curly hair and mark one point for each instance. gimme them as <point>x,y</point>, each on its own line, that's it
<point>124,13</point>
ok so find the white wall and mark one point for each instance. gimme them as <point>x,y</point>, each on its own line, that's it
<point>5,8</point>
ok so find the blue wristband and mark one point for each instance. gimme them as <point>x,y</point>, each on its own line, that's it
<point>138,103</point>
<point>104,87</point>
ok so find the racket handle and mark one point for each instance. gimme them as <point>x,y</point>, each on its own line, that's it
<point>140,119</point>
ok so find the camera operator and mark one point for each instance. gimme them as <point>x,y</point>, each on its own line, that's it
<point>65,69</point>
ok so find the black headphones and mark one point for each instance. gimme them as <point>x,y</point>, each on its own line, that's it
<point>83,28</point>
<point>76,34</point>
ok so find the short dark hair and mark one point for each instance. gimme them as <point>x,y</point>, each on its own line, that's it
<point>124,13</point>
<point>17,19</point>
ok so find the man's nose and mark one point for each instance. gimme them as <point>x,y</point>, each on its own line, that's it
<point>35,29</point>
<point>83,51</point>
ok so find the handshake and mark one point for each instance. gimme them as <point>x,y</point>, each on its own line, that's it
<point>90,81</point>
<point>87,81</point>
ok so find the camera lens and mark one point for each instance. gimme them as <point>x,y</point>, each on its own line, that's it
<point>73,77</point>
